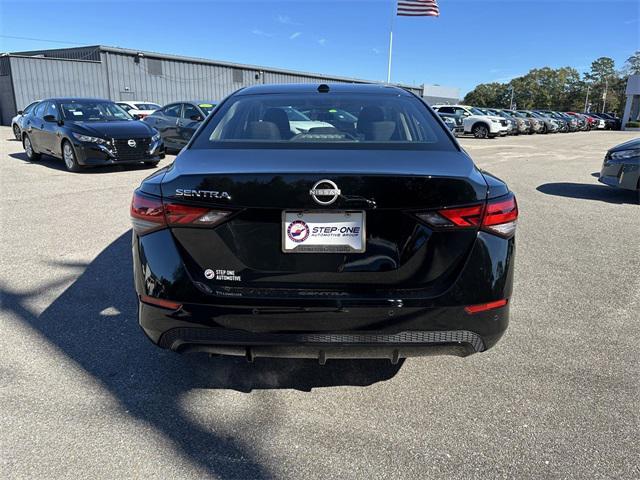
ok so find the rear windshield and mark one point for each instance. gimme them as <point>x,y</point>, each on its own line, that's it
<point>322,119</point>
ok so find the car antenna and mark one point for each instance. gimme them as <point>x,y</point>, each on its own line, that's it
<point>323,88</point>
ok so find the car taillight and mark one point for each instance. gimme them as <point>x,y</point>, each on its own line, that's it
<point>498,216</point>
<point>501,216</point>
<point>149,213</point>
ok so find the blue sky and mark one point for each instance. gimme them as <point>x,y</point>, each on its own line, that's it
<point>473,41</point>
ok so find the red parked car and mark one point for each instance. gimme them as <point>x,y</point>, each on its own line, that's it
<point>584,122</point>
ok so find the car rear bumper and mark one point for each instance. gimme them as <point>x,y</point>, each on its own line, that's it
<point>311,319</point>
<point>365,333</point>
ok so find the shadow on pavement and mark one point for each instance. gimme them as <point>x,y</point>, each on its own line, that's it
<point>94,323</point>
<point>57,164</point>
<point>587,191</point>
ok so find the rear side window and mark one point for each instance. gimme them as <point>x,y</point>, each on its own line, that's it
<point>29,108</point>
<point>312,120</point>
<point>190,111</point>
<point>172,110</point>
<point>147,106</point>
<point>39,110</point>
<point>52,110</point>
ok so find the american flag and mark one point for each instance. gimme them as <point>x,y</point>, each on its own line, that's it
<point>418,8</point>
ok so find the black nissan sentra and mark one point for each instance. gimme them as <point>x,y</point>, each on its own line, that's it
<point>364,239</point>
<point>89,132</point>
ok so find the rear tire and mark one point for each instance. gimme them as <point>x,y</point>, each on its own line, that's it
<point>69,157</point>
<point>16,132</point>
<point>544,130</point>
<point>480,131</point>
<point>32,155</point>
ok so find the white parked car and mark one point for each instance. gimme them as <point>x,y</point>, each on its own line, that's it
<point>475,121</point>
<point>139,109</point>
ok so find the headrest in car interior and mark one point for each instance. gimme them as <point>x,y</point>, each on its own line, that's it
<point>280,119</point>
<point>367,116</point>
<point>263,131</point>
<point>380,131</point>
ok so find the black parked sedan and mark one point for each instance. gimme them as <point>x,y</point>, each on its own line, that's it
<point>262,240</point>
<point>17,121</point>
<point>177,122</point>
<point>88,132</point>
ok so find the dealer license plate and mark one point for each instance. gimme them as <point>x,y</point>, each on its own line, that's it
<point>323,232</point>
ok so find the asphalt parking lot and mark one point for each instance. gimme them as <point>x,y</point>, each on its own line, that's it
<point>83,394</point>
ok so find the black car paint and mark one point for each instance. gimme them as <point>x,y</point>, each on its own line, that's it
<point>47,136</point>
<point>623,173</point>
<point>412,277</point>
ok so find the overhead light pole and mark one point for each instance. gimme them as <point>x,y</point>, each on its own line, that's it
<point>511,101</point>
<point>586,100</point>
<point>604,94</point>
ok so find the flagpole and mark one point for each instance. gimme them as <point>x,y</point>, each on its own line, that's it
<point>391,42</point>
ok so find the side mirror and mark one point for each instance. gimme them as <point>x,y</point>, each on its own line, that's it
<point>196,118</point>
<point>50,118</point>
<point>20,112</point>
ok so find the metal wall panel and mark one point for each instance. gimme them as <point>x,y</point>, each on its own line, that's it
<point>188,80</point>
<point>121,74</point>
<point>76,53</point>
<point>131,80</point>
<point>35,78</point>
<point>7,105</point>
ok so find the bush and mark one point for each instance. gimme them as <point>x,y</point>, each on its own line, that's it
<point>632,125</point>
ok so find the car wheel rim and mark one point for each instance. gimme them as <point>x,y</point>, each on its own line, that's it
<point>68,156</point>
<point>16,132</point>
<point>27,147</point>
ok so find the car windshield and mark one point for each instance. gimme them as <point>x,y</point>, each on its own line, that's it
<point>93,111</point>
<point>277,120</point>
<point>147,106</point>
<point>206,107</point>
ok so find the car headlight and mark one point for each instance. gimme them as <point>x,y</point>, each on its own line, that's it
<point>156,137</point>
<point>87,138</point>
<point>495,121</point>
<point>625,154</point>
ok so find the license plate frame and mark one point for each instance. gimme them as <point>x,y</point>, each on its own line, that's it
<point>321,218</point>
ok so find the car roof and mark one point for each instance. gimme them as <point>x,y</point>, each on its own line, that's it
<point>376,88</point>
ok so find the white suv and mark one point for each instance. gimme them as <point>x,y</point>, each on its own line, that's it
<point>475,121</point>
<point>138,108</point>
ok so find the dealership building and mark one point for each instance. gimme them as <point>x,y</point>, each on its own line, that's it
<point>124,74</point>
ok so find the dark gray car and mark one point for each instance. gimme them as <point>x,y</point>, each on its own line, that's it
<point>621,167</point>
<point>177,122</point>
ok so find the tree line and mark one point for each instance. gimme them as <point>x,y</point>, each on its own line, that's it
<point>564,89</point>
